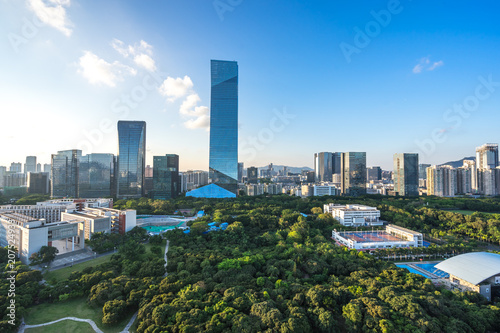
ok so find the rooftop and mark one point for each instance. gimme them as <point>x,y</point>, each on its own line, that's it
<point>472,267</point>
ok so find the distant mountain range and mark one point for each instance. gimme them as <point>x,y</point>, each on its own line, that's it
<point>291,169</point>
<point>459,163</point>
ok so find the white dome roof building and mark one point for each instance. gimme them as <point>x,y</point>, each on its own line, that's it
<point>476,271</point>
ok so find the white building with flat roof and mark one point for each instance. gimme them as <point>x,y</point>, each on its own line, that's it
<point>392,236</point>
<point>354,215</point>
<point>28,234</point>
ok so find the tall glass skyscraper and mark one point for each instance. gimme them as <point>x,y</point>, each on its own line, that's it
<point>166,181</point>
<point>131,159</point>
<point>353,167</point>
<point>223,161</point>
<point>406,174</point>
<point>64,173</point>
<point>326,165</point>
<point>96,175</point>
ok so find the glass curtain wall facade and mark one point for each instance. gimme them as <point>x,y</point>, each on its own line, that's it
<point>166,181</point>
<point>223,159</point>
<point>64,173</point>
<point>131,159</point>
<point>406,174</point>
<point>353,167</point>
<point>326,165</point>
<point>96,176</point>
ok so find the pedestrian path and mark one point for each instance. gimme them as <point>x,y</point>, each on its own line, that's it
<point>166,250</point>
<point>91,322</point>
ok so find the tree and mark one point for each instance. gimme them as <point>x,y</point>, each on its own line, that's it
<point>46,255</point>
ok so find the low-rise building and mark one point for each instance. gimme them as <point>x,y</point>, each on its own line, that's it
<point>392,236</point>
<point>28,234</point>
<point>354,215</point>
<point>476,271</point>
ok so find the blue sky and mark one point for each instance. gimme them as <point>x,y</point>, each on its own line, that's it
<point>375,76</point>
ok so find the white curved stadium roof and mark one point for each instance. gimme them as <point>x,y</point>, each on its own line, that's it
<point>472,267</point>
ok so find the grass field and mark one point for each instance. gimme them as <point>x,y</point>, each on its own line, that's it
<point>467,212</point>
<point>464,212</point>
<point>64,326</point>
<point>72,308</point>
<point>64,273</point>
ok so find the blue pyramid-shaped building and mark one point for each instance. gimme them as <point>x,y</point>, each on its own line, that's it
<point>210,191</point>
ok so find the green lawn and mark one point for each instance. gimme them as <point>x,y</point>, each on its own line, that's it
<point>64,326</point>
<point>163,245</point>
<point>64,273</point>
<point>72,308</point>
<point>464,212</point>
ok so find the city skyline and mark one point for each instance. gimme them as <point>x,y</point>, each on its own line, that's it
<point>68,80</point>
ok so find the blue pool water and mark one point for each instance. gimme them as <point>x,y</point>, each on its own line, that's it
<point>431,268</point>
<point>427,267</point>
<point>412,270</point>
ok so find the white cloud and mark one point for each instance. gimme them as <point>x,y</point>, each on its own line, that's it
<point>183,88</point>
<point>141,52</point>
<point>200,122</point>
<point>176,88</point>
<point>436,65</point>
<point>423,64</point>
<point>145,61</point>
<point>53,13</point>
<point>99,71</point>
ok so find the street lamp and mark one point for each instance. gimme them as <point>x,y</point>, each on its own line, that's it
<point>72,259</point>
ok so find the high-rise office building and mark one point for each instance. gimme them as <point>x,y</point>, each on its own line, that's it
<point>240,172</point>
<point>323,166</point>
<point>38,167</point>
<point>3,172</point>
<point>406,174</point>
<point>353,170</point>
<point>38,183</point>
<point>487,156</point>
<point>422,171</point>
<point>131,159</point>
<point>64,175</point>
<point>373,173</point>
<point>326,166</point>
<point>30,165</point>
<point>46,167</point>
<point>166,181</point>
<point>223,159</point>
<point>96,175</point>
<point>252,175</point>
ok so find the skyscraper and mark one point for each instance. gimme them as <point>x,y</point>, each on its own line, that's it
<point>223,160</point>
<point>64,173</point>
<point>131,159</point>
<point>326,165</point>
<point>323,166</point>
<point>252,175</point>
<point>353,169</point>
<point>166,181</point>
<point>96,175</point>
<point>406,174</point>
<point>30,165</point>
<point>373,173</point>
<point>441,181</point>
<point>240,172</point>
<point>487,156</point>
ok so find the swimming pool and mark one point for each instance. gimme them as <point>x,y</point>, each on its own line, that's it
<point>428,267</point>
<point>432,269</point>
<point>156,229</point>
<point>412,270</point>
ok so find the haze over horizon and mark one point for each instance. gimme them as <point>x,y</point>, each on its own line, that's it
<point>380,77</point>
